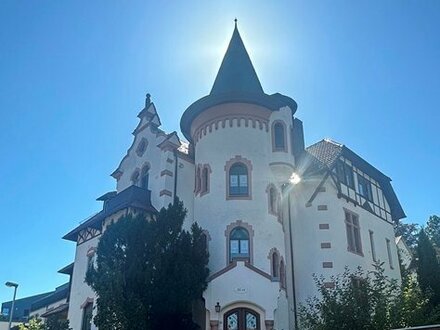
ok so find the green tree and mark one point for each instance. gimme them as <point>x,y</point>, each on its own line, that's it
<point>409,232</point>
<point>148,273</point>
<point>433,230</point>
<point>428,269</point>
<point>34,324</point>
<point>56,323</point>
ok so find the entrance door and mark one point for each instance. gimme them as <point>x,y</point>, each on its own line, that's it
<point>241,319</point>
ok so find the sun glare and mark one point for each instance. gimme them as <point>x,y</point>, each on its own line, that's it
<point>295,178</point>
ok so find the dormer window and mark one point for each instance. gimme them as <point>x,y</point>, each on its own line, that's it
<point>345,173</point>
<point>365,188</point>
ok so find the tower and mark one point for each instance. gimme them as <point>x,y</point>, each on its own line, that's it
<point>243,153</point>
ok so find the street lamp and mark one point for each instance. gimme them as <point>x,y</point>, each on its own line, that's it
<point>15,286</point>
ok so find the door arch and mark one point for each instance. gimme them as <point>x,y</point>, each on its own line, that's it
<point>241,319</point>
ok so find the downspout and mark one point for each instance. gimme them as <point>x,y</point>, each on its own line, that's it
<point>291,261</point>
<point>175,175</point>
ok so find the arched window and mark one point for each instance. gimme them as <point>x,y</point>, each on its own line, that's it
<point>87,316</point>
<point>272,200</point>
<point>238,180</point>
<point>205,180</point>
<point>239,244</point>
<point>145,177</point>
<point>275,265</point>
<point>279,137</point>
<point>135,177</point>
<point>142,146</point>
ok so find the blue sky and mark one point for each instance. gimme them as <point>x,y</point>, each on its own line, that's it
<point>73,75</point>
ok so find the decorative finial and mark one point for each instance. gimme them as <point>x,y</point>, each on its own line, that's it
<point>147,100</point>
<point>236,20</point>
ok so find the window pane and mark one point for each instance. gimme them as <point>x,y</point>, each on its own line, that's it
<point>233,181</point>
<point>350,240</point>
<point>244,247</point>
<point>279,136</point>
<point>349,175</point>
<point>243,181</point>
<point>234,247</point>
<point>251,321</point>
<point>232,321</point>
<point>239,233</point>
<point>357,238</point>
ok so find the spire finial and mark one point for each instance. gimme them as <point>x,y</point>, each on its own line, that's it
<point>236,20</point>
<point>147,100</point>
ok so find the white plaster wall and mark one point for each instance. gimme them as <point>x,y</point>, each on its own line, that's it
<point>157,160</point>
<point>80,291</point>
<point>4,325</point>
<point>185,188</point>
<point>405,254</point>
<point>307,237</point>
<point>214,212</point>
<point>241,287</point>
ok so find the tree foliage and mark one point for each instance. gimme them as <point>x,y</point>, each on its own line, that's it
<point>33,324</point>
<point>409,232</point>
<point>148,273</point>
<point>365,300</point>
<point>56,323</point>
<point>433,230</point>
<point>428,269</point>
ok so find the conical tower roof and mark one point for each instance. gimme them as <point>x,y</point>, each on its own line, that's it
<point>236,73</point>
<point>236,82</point>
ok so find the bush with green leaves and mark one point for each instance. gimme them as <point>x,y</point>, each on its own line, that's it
<point>366,300</point>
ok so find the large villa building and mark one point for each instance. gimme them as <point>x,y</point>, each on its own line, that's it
<point>274,211</point>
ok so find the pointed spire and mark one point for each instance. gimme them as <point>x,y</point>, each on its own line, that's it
<point>236,73</point>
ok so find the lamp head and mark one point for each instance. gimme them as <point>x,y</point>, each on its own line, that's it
<point>11,284</point>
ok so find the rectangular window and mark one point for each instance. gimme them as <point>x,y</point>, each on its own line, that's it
<point>353,233</point>
<point>345,173</point>
<point>365,188</point>
<point>373,248</point>
<point>5,311</point>
<point>390,257</point>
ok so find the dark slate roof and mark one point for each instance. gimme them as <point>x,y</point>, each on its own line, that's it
<point>61,292</point>
<point>133,196</point>
<point>236,73</point>
<point>236,82</point>
<point>68,270</point>
<point>57,310</point>
<point>323,155</point>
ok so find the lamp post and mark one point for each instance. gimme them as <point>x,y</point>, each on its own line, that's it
<point>15,286</point>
